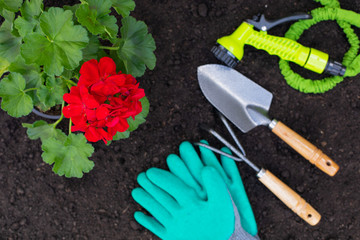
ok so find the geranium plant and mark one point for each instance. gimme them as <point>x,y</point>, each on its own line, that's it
<point>75,57</point>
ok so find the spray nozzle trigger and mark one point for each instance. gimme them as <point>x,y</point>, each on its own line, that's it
<point>261,23</point>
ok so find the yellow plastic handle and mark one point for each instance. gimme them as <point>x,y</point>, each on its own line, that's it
<point>285,48</point>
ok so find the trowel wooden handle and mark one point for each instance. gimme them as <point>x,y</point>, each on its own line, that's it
<point>288,196</point>
<point>306,149</point>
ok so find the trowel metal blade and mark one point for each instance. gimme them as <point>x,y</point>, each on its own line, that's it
<point>238,98</point>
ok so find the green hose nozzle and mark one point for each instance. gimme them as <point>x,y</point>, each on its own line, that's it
<point>230,49</point>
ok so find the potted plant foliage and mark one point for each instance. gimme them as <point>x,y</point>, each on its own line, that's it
<point>75,58</point>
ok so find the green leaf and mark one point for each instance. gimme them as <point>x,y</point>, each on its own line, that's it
<point>52,94</point>
<point>73,9</point>
<point>25,27</point>
<point>123,7</point>
<point>29,21</point>
<point>4,66</point>
<point>9,45</point>
<point>140,118</point>
<point>70,157</point>
<point>121,135</point>
<point>19,66</point>
<point>92,49</point>
<point>145,107</point>
<point>136,47</point>
<point>59,44</point>
<point>9,20</point>
<point>67,74</point>
<point>31,9</point>
<point>15,101</point>
<point>33,80</point>
<point>31,73</point>
<point>11,5</point>
<point>43,130</point>
<point>94,15</point>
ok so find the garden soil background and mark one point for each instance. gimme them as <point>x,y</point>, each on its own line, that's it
<point>37,204</point>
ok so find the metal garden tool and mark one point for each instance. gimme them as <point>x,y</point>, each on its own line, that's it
<point>246,104</point>
<point>230,49</point>
<point>288,196</point>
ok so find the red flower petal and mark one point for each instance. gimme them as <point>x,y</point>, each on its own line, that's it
<point>122,126</point>
<point>104,89</point>
<point>118,80</point>
<point>76,128</point>
<point>72,110</point>
<point>89,73</point>
<point>93,134</point>
<point>97,88</point>
<point>138,93</point>
<point>90,114</point>
<point>102,112</point>
<point>112,122</point>
<point>107,67</point>
<point>73,96</point>
<point>130,79</point>
<point>89,67</point>
<point>79,120</point>
<point>88,99</point>
<point>99,123</point>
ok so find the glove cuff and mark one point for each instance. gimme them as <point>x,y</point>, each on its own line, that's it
<point>239,233</point>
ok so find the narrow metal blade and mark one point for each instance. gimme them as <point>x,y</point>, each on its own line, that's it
<point>241,100</point>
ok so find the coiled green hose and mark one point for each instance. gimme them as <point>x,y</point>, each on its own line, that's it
<point>345,18</point>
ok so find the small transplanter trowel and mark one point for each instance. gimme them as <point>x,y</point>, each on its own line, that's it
<point>246,105</point>
<point>230,49</point>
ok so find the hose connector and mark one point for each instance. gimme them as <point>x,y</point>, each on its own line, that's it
<point>335,68</point>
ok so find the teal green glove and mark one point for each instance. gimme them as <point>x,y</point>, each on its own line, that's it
<point>179,213</point>
<point>189,167</point>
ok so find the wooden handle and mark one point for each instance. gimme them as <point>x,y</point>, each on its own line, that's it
<point>288,196</point>
<point>306,149</point>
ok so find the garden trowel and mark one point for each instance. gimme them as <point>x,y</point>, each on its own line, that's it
<point>246,104</point>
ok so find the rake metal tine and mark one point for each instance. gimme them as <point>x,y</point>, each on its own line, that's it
<point>227,125</point>
<point>231,147</point>
<point>218,151</point>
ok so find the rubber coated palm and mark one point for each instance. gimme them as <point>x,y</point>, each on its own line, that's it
<point>189,165</point>
<point>178,212</point>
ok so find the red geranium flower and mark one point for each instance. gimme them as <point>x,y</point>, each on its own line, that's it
<point>102,100</point>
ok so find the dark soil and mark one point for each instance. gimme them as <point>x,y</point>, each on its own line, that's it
<point>37,204</point>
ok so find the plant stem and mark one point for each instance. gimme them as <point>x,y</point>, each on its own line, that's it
<point>30,89</point>
<point>109,48</point>
<point>70,123</point>
<point>62,116</point>
<point>72,83</point>
<point>108,33</point>
<point>68,85</point>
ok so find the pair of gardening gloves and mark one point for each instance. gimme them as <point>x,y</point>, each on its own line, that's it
<point>199,198</point>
